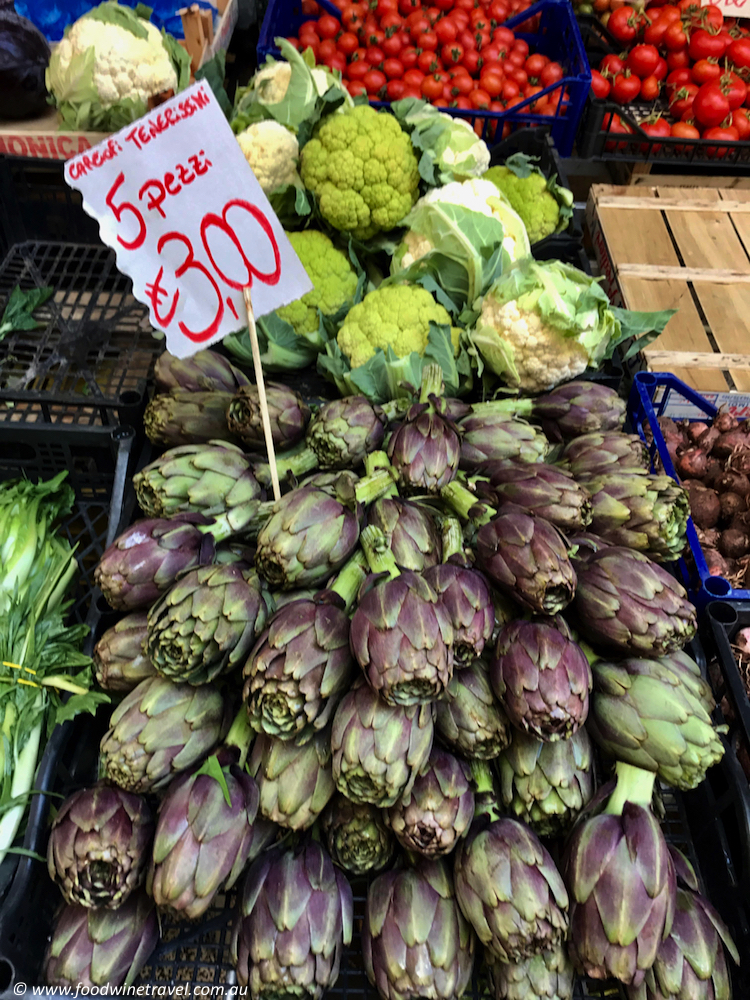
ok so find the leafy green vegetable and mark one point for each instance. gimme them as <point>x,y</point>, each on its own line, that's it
<point>450,148</point>
<point>214,73</point>
<point>111,12</point>
<point>20,308</point>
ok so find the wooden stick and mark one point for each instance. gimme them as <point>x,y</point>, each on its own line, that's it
<point>264,414</point>
<point>668,360</point>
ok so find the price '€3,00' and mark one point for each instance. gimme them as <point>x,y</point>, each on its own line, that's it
<point>177,201</point>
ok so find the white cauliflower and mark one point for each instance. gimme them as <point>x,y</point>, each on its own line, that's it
<point>542,357</point>
<point>271,82</point>
<point>125,66</point>
<point>272,152</point>
<point>477,196</point>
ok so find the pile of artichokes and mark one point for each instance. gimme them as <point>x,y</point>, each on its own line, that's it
<point>405,668</point>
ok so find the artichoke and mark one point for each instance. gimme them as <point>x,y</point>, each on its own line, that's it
<point>510,891</point>
<point>203,371</point>
<point>542,678</point>
<point>690,962</point>
<point>469,719</point>
<point>302,663</point>
<point>310,535</point>
<point>627,603</point>
<point>158,730</point>
<point>378,749</point>
<point>577,408</point>
<point>101,947</point>
<point>119,660</point>
<point>205,478</point>
<point>295,916</point>
<point>358,839</point>
<point>640,511</point>
<point>401,634</point>
<point>425,449</point>
<point>205,836</point>
<point>415,941</point>
<point>599,453</point>
<point>544,490</point>
<point>98,846</point>
<point>528,559</point>
<point>488,435</point>
<point>546,976</point>
<point>622,884</point>
<point>288,412</point>
<point>205,625</point>
<point>656,715</point>
<point>181,417</point>
<point>295,782</point>
<point>145,560</point>
<point>546,784</point>
<point>410,532</point>
<point>436,813</point>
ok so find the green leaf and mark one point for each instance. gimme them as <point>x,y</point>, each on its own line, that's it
<point>25,853</point>
<point>292,206</point>
<point>212,768</point>
<point>440,349</point>
<point>142,10</point>
<point>19,309</point>
<point>112,12</point>
<point>450,148</point>
<point>522,165</point>
<point>77,704</point>
<point>214,72</point>
<point>181,61</point>
<point>642,327</point>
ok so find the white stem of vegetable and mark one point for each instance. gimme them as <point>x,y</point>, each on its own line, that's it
<point>257,364</point>
<point>21,785</point>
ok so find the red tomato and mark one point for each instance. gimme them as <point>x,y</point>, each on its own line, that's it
<point>611,65</point>
<point>374,55</point>
<point>393,69</point>
<point>308,43</point>
<point>614,125</point>
<point>490,53</point>
<point>503,37</point>
<point>682,99</point>
<point>492,81</point>
<point>650,88</point>
<point>678,60</point>
<point>706,45</point>
<point>642,60</point>
<point>413,77</point>
<point>535,64</point>
<point>347,42</point>
<point>498,11</point>
<point>669,13</point>
<point>472,61</point>
<point>660,127</point>
<point>409,56</point>
<point>661,70</point>
<point>735,89</point>
<point>711,16</point>
<point>600,85</point>
<point>355,87</point>
<point>327,49</point>
<point>723,135</point>
<point>353,15</point>
<point>394,90</point>
<point>413,92</point>
<point>461,18</point>
<point>510,90</point>
<point>429,40</point>
<point>356,70</point>
<point>479,98</point>
<point>374,80</point>
<point>444,5</point>
<point>519,75</point>
<point>462,84</point>
<point>552,73</point>
<point>432,86</point>
<point>519,45</point>
<point>516,59</point>
<point>654,32</point>
<point>391,23</point>
<point>741,121</point>
<point>414,16</point>
<point>394,45</point>
<point>462,102</point>
<point>428,61</point>
<point>328,26</point>
<point>622,24</point>
<point>625,88</point>
<point>683,130</point>
<point>675,38</point>
<point>452,53</point>
<point>710,105</point>
<point>739,53</point>
<point>705,71</point>
<point>467,39</point>
<point>418,28</point>
<point>406,7</point>
<point>446,31</point>
<point>678,78</point>
<point>374,36</point>
<point>384,7</point>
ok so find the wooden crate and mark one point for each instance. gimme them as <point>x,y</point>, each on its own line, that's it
<point>687,249</point>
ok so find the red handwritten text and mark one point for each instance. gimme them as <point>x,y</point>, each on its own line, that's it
<point>90,161</point>
<point>141,135</point>
<point>173,182</point>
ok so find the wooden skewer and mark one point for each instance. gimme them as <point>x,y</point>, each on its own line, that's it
<point>264,414</point>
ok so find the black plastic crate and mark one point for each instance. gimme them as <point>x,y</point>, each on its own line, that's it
<point>723,620</point>
<point>37,204</point>
<point>91,361</point>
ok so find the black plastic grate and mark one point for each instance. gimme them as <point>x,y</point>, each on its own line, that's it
<point>91,362</point>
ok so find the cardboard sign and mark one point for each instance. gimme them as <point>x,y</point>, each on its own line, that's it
<point>733,8</point>
<point>177,201</point>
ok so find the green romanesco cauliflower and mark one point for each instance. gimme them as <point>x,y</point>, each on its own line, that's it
<point>544,206</point>
<point>361,167</point>
<point>395,316</point>
<point>334,281</point>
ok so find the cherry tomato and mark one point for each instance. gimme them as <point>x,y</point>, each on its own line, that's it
<point>519,75</point>
<point>710,105</point>
<point>429,40</point>
<point>328,26</point>
<point>355,87</point>
<point>446,31</point>
<point>498,11</point>
<point>510,90</point>
<point>393,69</point>
<point>413,78</point>
<point>374,55</point>
<point>682,99</point>
<point>353,15</point>
<point>535,64</point>
<point>347,43</point>
<point>492,81</point>
<point>642,60</point>
<point>463,102</point>
<point>472,61</point>
<point>391,23</point>
<point>600,85</point>
<point>394,45</point>
<point>552,73</point>
<point>428,61</point>
<point>519,45</point>
<point>462,84</point>
<point>490,53</point>
<point>650,88</point>
<point>503,37</point>
<point>468,39</point>
<point>418,28</point>
<point>374,36</point>
<point>625,88</point>
<point>308,43</point>
<point>415,92</point>
<point>384,7</point>
<point>415,16</point>
<point>480,98</point>
<point>461,18</point>
<point>374,80</point>
<point>452,53</point>
<point>327,49</point>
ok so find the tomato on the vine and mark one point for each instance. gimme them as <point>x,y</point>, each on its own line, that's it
<point>611,65</point>
<point>739,53</point>
<point>625,87</point>
<point>678,60</point>
<point>650,88</point>
<point>622,24</point>
<point>600,85</point>
<point>642,60</point>
<point>710,105</point>
<point>706,45</point>
<point>452,53</point>
<point>682,99</point>
<point>734,88</point>
<point>741,121</point>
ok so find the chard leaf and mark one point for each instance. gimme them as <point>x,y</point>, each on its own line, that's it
<point>19,310</point>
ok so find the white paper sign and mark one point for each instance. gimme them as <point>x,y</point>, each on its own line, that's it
<point>176,199</point>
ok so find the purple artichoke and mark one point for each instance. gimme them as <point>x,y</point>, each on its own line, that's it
<point>288,412</point>
<point>528,559</point>
<point>608,451</point>
<point>119,660</point>
<point>181,417</point>
<point>488,435</point>
<point>465,595</point>
<point>509,889</point>
<point>541,489</point>
<point>101,947</point>
<point>542,678</point>
<point>344,431</point>
<point>144,561</point>
<point>546,976</point>
<point>436,813</point>
<point>201,372</point>
<point>469,719</point>
<point>98,846</point>
<point>410,532</point>
<point>378,749</point>
<point>295,916</point>
<point>357,836</point>
<point>627,603</point>
<point>294,780</point>
<point>415,941</point>
<point>578,408</point>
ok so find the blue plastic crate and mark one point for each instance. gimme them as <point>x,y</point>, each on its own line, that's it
<point>649,396</point>
<point>558,38</point>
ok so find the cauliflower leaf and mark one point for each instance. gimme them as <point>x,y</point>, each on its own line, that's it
<point>450,148</point>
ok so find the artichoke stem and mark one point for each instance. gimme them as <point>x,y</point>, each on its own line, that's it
<point>513,406</point>
<point>452,537</point>
<point>465,504</point>
<point>485,794</point>
<point>432,382</point>
<point>376,460</point>
<point>395,409</point>
<point>633,785</point>
<point>240,735</point>
<point>245,519</point>
<point>377,485</point>
<point>299,464</point>
<point>350,579</point>
<point>379,556</point>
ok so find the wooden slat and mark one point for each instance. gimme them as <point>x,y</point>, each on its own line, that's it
<point>658,272</point>
<point>686,180</point>
<point>665,202</point>
<point>657,359</point>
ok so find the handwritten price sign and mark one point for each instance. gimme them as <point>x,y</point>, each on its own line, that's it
<point>176,199</point>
